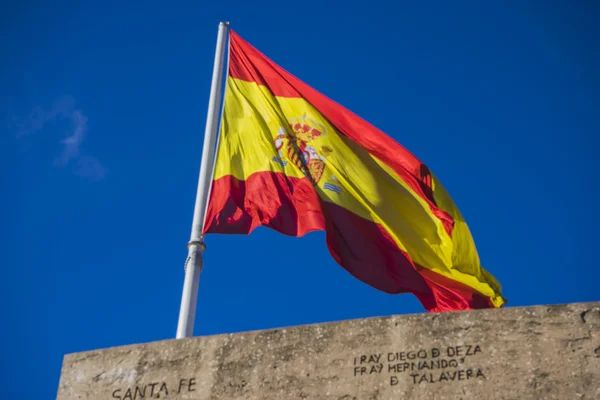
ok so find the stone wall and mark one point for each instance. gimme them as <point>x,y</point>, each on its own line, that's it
<point>542,352</point>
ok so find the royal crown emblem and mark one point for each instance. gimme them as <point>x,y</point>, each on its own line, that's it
<point>299,144</point>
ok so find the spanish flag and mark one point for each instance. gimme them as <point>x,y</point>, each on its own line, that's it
<point>293,160</point>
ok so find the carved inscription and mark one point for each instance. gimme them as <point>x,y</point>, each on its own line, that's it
<point>433,365</point>
<point>155,390</point>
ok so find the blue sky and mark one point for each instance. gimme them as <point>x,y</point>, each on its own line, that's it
<point>103,108</point>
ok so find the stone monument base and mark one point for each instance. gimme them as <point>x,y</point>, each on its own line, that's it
<point>541,352</point>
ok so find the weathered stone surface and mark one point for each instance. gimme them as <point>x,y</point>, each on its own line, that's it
<point>543,352</point>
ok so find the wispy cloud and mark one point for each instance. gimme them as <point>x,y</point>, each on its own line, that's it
<point>63,109</point>
<point>72,143</point>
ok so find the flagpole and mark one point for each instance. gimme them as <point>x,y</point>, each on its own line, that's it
<point>189,296</point>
